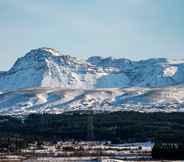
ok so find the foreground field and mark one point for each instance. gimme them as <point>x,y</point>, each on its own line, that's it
<point>85,159</point>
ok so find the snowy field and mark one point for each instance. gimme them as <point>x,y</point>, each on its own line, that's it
<point>85,159</point>
<point>82,151</point>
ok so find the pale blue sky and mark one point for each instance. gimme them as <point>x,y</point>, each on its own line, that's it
<point>135,29</point>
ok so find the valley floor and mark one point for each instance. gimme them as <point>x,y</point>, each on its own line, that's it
<point>82,151</point>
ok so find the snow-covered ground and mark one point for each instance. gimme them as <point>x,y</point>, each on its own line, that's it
<point>86,150</point>
<point>58,100</point>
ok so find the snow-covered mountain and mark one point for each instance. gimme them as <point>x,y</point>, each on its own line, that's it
<point>45,67</point>
<point>45,80</point>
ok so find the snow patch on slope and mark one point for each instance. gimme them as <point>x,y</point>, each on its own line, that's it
<point>170,71</point>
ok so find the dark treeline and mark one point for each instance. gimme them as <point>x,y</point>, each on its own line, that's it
<point>117,127</point>
<point>168,151</point>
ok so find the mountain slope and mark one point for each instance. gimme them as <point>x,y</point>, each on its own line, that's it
<point>145,73</point>
<point>58,100</point>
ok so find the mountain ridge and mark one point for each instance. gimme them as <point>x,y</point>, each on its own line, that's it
<point>46,66</point>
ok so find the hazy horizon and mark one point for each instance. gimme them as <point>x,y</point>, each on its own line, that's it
<point>133,29</point>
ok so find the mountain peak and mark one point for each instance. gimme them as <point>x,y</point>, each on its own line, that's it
<point>45,50</point>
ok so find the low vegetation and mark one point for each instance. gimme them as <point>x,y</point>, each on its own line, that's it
<point>168,151</point>
<point>118,127</point>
